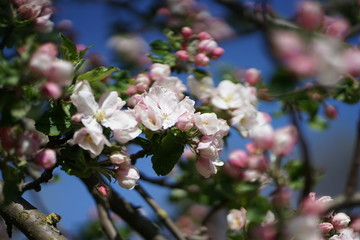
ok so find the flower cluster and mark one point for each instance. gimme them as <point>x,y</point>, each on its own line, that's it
<point>39,11</point>
<point>199,18</point>
<point>58,73</point>
<point>198,48</point>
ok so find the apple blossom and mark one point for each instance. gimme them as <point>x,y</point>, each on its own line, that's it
<point>201,88</point>
<point>325,227</point>
<point>284,140</point>
<point>91,139</point>
<point>209,147</point>
<point>217,53</point>
<point>159,71</point>
<point>206,167</point>
<point>186,33</point>
<point>182,55</point>
<point>236,219</point>
<point>239,159</point>
<point>207,123</point>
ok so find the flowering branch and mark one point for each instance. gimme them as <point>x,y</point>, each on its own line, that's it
<point>36,184</point>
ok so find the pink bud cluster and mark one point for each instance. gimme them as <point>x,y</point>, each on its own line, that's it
<point>57,72</point>
<point>198,49</point>
<point>39,11</point>
<point>321,57</point>
<point>334,226</point>
<point>311,16</point>
<point>177,12</point>
<point>245,166</point>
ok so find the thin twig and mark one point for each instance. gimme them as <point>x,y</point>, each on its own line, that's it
<point>213,210</point>
<point>127,212</point>
<point>136,156</point>
<point>305,155</point>
<point>105,219</point>
<point>351,183</point>
<point>159,181</point>
<point>164,217</point>
<point>342,201</point>
<point>36,184</point>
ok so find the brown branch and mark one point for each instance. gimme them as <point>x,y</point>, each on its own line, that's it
<point>136,156</point>
<point>127,212</point>
<point>342,201</point>
<point>36,184</point>
<point>159,181</point>
<point>309,179</point>
<point>31,222</point>
<point>164,217</point>
<point>105,221</point>
<point>351,183</point>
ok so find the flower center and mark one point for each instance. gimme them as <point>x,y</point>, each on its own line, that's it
<point>99,116</point>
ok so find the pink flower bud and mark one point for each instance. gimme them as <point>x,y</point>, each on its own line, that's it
<point>49,49</point>
<point>186,33</point>
<point>204,36</point>
<point>252,76</point>
<point>102,191</point>
<point>185,121</point>
<point>355,225</point>
<point>46,158</point>
<point>7,138</point>
<point>325,227</point>
<point>258,162</point>
<point>331,112</point>
<point>239,159</point>
<point>336,27</point>
<point>51,90</point>
<point>77,117</point>
<point>183,55</point>
<point>352,61</point>
<point>310,14</point>
<point>201,60</point>
<point>217,52</point>
<point>120,158</point>
<point>127,176</point>
<point>207,46</point>
<point>131,90</point>
<point>60,72</point>
<point>340,221</point>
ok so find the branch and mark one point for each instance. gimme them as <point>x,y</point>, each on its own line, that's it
<point>309,179</point>
<point>351,183</point>
<point>31,222</point>
<point>159,181</point>
<point>105,220</point>
<point>136,156</point>
<point>127,212</point>
<point>164,217</point>
<point>342,201</point>
<point>36,184</point>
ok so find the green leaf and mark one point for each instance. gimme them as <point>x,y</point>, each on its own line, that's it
<point>167,151</point>
<point>97,74</point>
<point>75,163</point>
<point>12,179</point>
<point>318,123</point>
<point>257,209</point>
<point>68,49</point>
<point>160,47</point>
<point>282,81</point>
<point>56,120</point>
<point>295,170</point>
<point>19,109</point>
